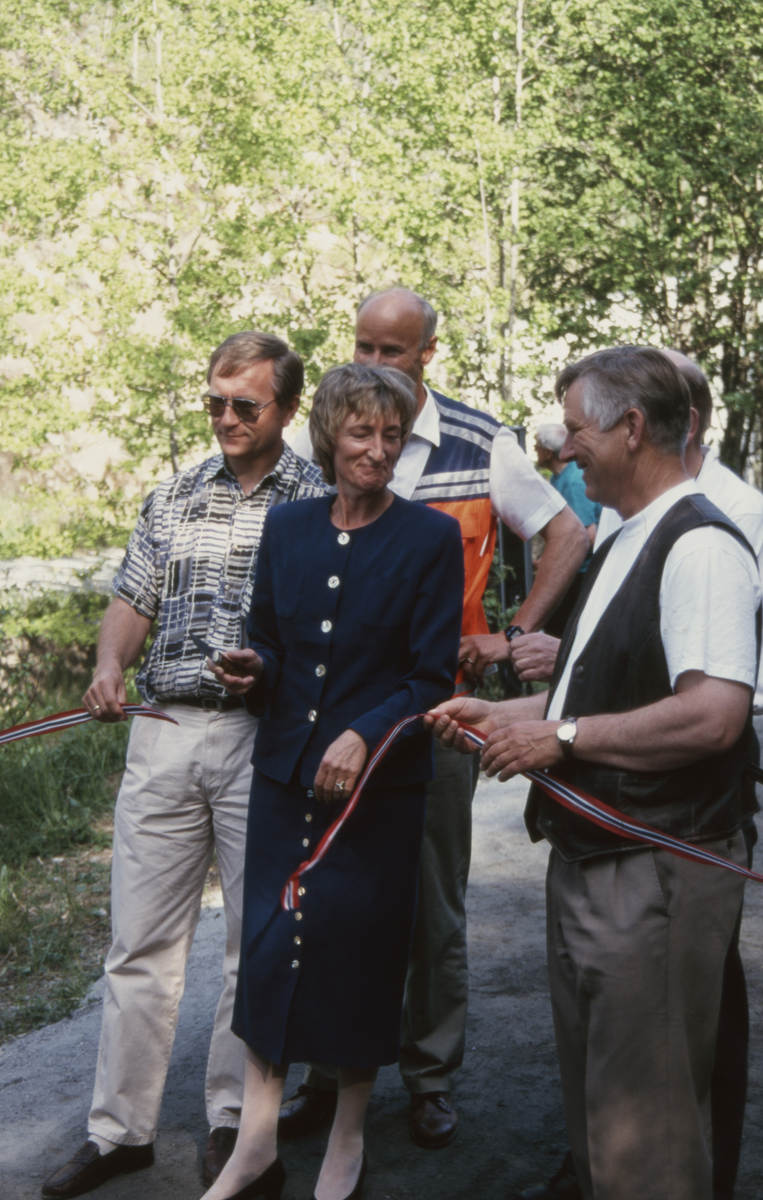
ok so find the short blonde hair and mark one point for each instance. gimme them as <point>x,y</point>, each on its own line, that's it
<point>365,392</point>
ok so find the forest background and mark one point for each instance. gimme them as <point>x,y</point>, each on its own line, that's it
<point>553,174</point>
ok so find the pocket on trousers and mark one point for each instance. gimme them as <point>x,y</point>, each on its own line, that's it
<point>663,869</point>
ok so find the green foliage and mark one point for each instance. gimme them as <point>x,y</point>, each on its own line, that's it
<point>52,789</point>
<point>54,929</point>
<point>555,176</point>
<point>47,648</point>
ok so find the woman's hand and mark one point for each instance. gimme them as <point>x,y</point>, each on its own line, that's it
<point>340,765</point>
<point>248,667</point>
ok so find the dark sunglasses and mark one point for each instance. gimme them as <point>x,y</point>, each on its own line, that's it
<point>245,410</point>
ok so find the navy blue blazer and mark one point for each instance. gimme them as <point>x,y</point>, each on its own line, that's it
<point>356,630</point>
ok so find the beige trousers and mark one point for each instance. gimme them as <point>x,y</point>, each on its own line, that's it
<point>184,794</point>
<point>636,949</point>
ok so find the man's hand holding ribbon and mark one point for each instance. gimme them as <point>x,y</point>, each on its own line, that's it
<point>517,739</point>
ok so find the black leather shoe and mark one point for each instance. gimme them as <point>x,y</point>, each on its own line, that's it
<point>432,1121</point>
<point>89,1168</point>
<point>219,1148</point>
<point>306,1110</point>
<point>269,1184</point>
<point>355,1193</point>
<point>562,1186</point>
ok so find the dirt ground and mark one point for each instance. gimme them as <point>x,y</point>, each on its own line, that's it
<point>508,1096</point>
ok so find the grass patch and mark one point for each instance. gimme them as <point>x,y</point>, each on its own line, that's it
<point>56,798</point>
<point>55,929</point>
<point>53,789</point>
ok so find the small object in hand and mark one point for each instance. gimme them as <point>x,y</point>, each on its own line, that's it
<point>219,658</point>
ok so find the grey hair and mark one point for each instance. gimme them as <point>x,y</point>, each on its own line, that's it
<point>640,377</point>
<point>552,437</point>
<point>428,314</point>
<point>363,391</point>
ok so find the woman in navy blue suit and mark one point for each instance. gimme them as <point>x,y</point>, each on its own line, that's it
<point>355,624</point>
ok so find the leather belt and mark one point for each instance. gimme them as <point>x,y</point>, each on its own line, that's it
<point>208,703</point>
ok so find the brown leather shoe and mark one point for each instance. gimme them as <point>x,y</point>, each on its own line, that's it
<point>89,1168</point>
<point>562,1186</point>
<point>305,1111</point>
<point>219,1148</point>
<point>432,1121</point>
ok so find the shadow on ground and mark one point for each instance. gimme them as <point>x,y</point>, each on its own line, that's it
<point>509,1100</point>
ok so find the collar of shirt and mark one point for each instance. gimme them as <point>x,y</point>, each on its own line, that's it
<point>427,423</point>
<point>424,435</point>
<point>710,461</point>
<point>642,523</point>
<point>284,476</point>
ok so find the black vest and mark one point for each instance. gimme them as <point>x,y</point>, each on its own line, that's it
<point>623,667</point>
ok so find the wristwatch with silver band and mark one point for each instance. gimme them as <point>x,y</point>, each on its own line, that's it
<point>566,734</point>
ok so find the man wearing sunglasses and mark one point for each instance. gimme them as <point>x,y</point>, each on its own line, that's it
<point>188,571</point>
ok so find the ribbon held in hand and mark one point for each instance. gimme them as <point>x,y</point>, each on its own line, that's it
<point>565,794</point>
<point>75,716</point>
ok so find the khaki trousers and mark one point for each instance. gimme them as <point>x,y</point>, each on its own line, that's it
<point>636,949</point>
<point>437,985</point>
<point>184,794</point>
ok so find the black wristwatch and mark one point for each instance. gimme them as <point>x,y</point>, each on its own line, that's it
<point>513,631</point>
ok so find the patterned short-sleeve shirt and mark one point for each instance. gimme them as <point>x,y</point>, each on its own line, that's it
<point>190,563</point>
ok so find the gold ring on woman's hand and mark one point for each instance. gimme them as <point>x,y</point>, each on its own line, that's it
<point>96,707</point>
<point>339,785</point>
<point>472,661</point>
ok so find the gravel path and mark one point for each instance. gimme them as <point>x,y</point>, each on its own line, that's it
<point>512,1127</point>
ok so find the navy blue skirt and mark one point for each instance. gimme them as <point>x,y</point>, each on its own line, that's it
<point>326,984</point>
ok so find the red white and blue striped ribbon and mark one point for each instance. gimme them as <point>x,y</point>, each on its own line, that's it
<point>570,797</point>
<point>75,716</point>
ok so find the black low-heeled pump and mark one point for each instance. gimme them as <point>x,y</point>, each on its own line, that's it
<point>269,1184</point>
<point>355,1193</point>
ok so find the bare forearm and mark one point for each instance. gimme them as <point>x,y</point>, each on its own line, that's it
<point>523,708</point>
<point>123,635</point>
<point>566,547</point>
<point>704,717</point>
<point>671,733</point>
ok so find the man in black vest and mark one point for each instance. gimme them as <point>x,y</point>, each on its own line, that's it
<point>649,710</point>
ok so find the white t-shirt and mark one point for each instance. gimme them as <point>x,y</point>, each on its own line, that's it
<point>709,595</point>
<point>740,502</point>
<point>519,495</point>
